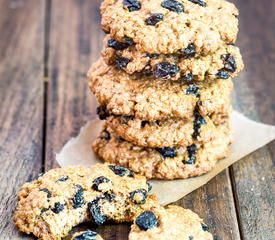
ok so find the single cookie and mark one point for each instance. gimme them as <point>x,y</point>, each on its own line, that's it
<point>86,235</point>
<point>51,205</point>
<point>173,223</point>
<point>170,26</point>
<point>148,98</point>
<point>226,62</point>
<point>164,133</point>
<point>166,162</point>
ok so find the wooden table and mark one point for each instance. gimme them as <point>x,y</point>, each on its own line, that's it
<point>46,48</point>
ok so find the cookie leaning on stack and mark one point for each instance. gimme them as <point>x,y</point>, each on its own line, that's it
<point>163,84</point>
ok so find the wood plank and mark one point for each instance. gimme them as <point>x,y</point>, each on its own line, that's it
<point>76,41</point>
<point>254,96</point>
<point>21,103</point>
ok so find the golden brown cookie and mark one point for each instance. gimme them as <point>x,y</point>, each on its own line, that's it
<point>173,223</point>
<point>62,198</point>
<point>226,62</point>
<point>170,26</point>
<point>148,98</point>
<point>166,162</point>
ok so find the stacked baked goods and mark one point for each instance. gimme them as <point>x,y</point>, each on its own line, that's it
<point>163,84</point>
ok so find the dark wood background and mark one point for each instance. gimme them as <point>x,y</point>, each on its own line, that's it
<point>46,48</point>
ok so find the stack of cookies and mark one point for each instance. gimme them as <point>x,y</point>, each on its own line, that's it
<point>163,84</point>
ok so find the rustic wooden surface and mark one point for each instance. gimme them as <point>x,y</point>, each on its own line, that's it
<point>46,48</point>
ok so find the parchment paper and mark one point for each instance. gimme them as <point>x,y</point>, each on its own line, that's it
<point>249,136</point>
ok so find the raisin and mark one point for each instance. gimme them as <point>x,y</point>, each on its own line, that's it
<point>121,62</point>
<point>131,5</point>
<point>192,150</point>
<point>199,2</point>
<point>157,122</point>
<point>129,41</point>
<point>58,207</point>
<point>139,196</point>
<point>204,227</point>
<point>95,212</point>
<point>152,55</point>
<point>63,179</point>
<point>229,62</point>
<point>121,138</point>
<point>166,70</point>
<point>102,112</point>
<point>44,210</point>
<point>190,50</point>
<point>116,44</point>
<point>191,237</point>
<point>105,135</point>
<point>188,77</point>
<point>88,235</point>
<point>147,70</point>
<point>199,120</point>
<point>154,18</point>
<point>222,73</point>
<point>126,119</point>
<point>167,151</point>
<point>46,190</point>
<point>78,199</point>
<point>149,186</point>
<point>173,5</point>
<point>143,123</point>
<point>146,220</point>
<point>109,196</point>
<point>121,171</point>
<point>193,90</point>
<point>100,180</point>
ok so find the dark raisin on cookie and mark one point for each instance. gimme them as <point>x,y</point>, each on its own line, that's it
<point>146,220</point>
<point>173,5</point>
<point>102,112</point>
<point>143,123</point>
<point>204,227</point>
<point>101,179</point>
<point>63,179</point>
<point>109,196</point>
<point>88,235</point>
<point>116,44</point>
<point>131,5</point>
<point>166,70</point>
<point>121,138</point>
<point>105,135</point>
<point>121,171</point>
<point>126,119</point>
<point>44,210</point>
<point>223,74</point>
<point>193,90</point>
<point>199,120</point>
<point>95,211</point>
<point>152,55</point>
<point>58,207</point>
<point>149,186</point>
<point>167,151</point>
<point>46,190</point>
<point>188,77</point>
<point>190,50</point>
<point>78,199</point>
<point>191,237</point>
<point>122,62</point>
<point>229,62</point>
<point>129,41</point>
<point>199,2</point>
<point>154,18</point>
<point>192,151</point>
<point>147,70</point>
<point>139,196</point>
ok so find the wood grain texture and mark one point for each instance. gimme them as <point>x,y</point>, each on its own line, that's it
<point>254,96</point>
<point>21,103</point>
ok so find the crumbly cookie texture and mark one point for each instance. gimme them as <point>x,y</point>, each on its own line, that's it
<point>163,133</point>
<point>173,223</point>
<point>148,98</point>
<point>169,26</point>
<point>86,235</point>
<point>166,162</point>
<point>51,205</point>
<point>224,63</point>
